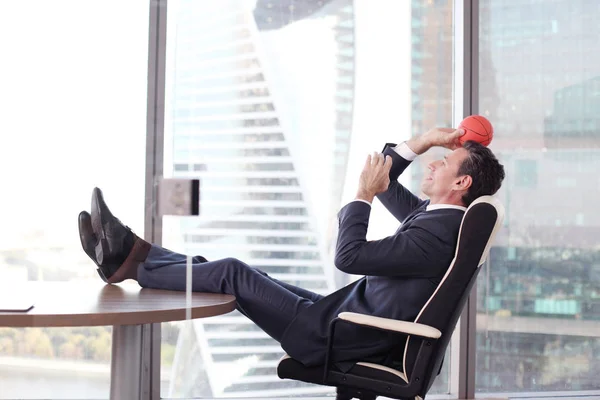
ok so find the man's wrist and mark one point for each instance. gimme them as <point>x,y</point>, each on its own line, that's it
<point>365,196</point>
<point>405,152</point>
<point>418,144</point>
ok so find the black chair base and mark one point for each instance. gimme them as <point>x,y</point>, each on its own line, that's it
<point>349,394</point>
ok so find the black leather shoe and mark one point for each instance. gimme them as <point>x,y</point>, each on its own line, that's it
<point>86,234</point>
<point>114,239</point>
<point>89,241</point>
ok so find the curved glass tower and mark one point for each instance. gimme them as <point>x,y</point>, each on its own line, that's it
<point>260,100</point>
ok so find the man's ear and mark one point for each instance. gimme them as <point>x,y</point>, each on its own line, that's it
<point>463,182</point>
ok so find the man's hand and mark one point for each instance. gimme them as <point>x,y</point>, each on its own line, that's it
<point>375,177</point>
<point>443,137</point>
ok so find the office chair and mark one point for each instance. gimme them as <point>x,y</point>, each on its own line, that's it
<point>426,337</point>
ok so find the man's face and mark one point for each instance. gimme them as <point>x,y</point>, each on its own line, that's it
<point>443,174</point>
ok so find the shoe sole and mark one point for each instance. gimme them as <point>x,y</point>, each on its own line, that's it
<point>85,245</point>
<point>102,276</point>
<point>102,245</point>
<point>101,249</point>
<point>88,248</point>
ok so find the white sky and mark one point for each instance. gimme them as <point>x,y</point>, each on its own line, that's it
<point>73,108</point>
<point>72,113</point>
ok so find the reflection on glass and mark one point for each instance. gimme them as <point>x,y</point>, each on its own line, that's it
<point>243,112</point>
<point>261,108</point>
<point>539,296</point>
<point>73,100</point>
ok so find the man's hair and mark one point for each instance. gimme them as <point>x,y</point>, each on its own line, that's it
<point>485,171</point>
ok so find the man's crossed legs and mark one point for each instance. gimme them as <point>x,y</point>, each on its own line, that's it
<point>120,254</point>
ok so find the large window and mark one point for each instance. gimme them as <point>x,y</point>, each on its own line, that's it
<point>538,325</point>
<point>274,106</point>
<point>73,104</point>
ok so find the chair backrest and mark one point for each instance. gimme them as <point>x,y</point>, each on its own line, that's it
<point>481,222</point>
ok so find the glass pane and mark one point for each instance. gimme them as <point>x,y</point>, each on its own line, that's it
<point>539,296</point>
<point>275,107</point>
<point>431,97</point>
<point>73,101</point>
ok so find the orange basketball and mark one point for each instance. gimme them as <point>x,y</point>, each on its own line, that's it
<point>478,129</point>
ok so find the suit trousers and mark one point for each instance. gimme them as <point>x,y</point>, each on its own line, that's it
<point>269,303</point>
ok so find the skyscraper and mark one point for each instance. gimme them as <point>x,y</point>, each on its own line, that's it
<point>260,102</point>
<point>538,301</point>
<point>263,203</point>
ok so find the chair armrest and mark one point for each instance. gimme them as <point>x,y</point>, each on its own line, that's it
<point>410,328</point>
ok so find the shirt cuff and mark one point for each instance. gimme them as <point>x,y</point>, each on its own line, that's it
<point>364,201</point>
<point>405,152</point>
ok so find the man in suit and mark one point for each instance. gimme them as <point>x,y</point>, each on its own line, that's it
<point>401,271</point>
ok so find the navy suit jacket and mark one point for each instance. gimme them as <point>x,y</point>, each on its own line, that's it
<point>401,272</point>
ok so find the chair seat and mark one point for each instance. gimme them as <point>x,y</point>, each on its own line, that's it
<point>289,368</point>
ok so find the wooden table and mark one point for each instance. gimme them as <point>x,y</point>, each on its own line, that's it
<point>131,311</point>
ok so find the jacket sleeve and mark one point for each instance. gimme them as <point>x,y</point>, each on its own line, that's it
<point>398,200</point>
<point>415,252</point>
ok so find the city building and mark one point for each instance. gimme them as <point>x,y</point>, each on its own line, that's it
<point>257,103</point>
